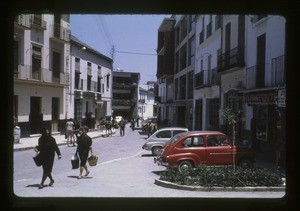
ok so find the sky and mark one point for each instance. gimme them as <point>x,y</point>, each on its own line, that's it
<point>134,38</point>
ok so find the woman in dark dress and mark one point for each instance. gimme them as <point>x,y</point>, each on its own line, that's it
<point>47,147</point>
<point>84,145</point>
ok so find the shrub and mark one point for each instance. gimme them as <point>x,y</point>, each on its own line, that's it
<point>211,176</point>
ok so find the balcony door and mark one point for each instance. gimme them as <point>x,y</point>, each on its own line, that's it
<point>56,67</point>
<point>261,60</point>
<point>55,114</point>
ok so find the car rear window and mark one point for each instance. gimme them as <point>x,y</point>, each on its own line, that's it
<point>164,134</point>
<point>175,132</point>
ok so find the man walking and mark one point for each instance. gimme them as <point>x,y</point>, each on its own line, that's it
<point>122,127</point>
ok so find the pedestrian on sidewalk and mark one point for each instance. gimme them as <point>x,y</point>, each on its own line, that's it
<point>122,127</point>
<point>47,147</point>
<point>84,145</point>
<point>70,132</point>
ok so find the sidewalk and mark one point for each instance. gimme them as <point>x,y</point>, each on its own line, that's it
<point>31,142</point>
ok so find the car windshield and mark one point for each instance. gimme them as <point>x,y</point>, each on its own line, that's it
<point>174,139</point>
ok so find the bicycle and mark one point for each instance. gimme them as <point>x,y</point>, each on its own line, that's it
<point>71,138</point>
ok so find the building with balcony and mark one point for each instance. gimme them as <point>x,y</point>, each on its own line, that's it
<point>232,66</point>
<point>41,76</point>
<point>125,94</point>
<point>184,66</point>
<point>206,76</point>
<point>165,70</point>
<point>265,83</point>
<point>146,103</point>
<point>90,84</point>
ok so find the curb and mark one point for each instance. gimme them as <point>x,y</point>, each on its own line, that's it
<point>59,144</point>
<point>225,189</point>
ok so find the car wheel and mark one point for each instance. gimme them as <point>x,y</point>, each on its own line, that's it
<point>156,150</point>
<point>185,166</point>
<point>245,163</point>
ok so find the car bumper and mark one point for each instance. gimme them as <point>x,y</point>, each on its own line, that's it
<point>146,147</point>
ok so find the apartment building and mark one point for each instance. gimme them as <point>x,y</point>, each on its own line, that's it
<point>41,76</point>
<point>264,96</point>
<point>125,94</point>
<point>206,77</point>
<point>164,88</point>
<point>184,66</point>
<point>235,61</point>
<point>91,84</point>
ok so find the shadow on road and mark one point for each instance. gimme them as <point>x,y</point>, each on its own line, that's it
<point>35,186</point>
<point>76,177</point>
<point>158,172</point>
<point>147,155</point>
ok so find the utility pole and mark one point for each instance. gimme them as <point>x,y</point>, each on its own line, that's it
<point>112,52</point>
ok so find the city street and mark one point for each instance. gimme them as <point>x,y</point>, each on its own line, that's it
<point>124,169</point>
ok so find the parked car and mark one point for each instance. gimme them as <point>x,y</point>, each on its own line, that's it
<point>158,139</point>
<point>190,149</point>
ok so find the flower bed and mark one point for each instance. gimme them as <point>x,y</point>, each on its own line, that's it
<point>205,176</point>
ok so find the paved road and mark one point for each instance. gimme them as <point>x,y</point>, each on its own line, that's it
<point>124,170</point>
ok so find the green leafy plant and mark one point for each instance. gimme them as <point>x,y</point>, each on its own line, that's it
<point>225,176</point>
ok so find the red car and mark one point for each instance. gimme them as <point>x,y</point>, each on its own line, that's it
<point>190,149</point>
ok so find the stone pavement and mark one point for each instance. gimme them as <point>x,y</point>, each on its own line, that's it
<point>31,142</point>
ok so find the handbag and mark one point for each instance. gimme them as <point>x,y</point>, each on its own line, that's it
<point>38,159</point>
<point>75,161</point>
<point>93,159</point>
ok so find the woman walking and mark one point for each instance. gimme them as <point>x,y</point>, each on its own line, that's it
<point>47,147</point>
<point>84,145</point>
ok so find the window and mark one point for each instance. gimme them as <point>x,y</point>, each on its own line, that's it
<point>183,55</point>
<point>190,85</point>
<point>191,51</point>
<point>218,22</point>
<point>196,141</point>
<point>209,27</point>
<point>164,134</point>
<point>183,28</point>
<point>212,140</point>
<point>182,90</point>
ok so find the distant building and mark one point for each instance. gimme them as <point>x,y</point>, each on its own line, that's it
<point>146,103</point>
<point>125,94</point>
<point>41,74</point>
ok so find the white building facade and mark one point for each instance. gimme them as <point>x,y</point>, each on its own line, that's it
<point>207,89</point>
<point>91,84</point>
<point>41,76</point>
<point>147,105</point>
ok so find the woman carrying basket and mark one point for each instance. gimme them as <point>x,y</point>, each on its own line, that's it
<point>84,145</point>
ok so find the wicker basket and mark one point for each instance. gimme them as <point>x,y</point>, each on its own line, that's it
<point>93,160</point>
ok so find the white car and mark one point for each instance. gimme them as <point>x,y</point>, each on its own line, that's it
<point>158,139</point>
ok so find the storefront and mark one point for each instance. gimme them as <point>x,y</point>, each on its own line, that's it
<point>267,124</point>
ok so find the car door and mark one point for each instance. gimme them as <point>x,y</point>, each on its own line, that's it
<point>218,149</point>
<point>193,148</point>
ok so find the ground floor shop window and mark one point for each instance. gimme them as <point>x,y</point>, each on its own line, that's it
<point>262,121</point>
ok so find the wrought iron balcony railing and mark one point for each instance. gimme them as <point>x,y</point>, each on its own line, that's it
<point>231,59</point>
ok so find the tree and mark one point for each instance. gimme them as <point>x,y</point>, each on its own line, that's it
<point>232,118</point>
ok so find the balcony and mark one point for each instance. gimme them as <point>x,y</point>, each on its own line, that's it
<point>34,74</point>
<point>37,22</point>
<point>22,22</point>
<point>207,78</point>
<point>60,33</point>
<point>255,76</point>
<point>231,59</point>
<point>278,73</point>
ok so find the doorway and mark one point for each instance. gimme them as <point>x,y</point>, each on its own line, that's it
<point>55,114</point>
<point>35,116</point>
<point>181,116</point>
